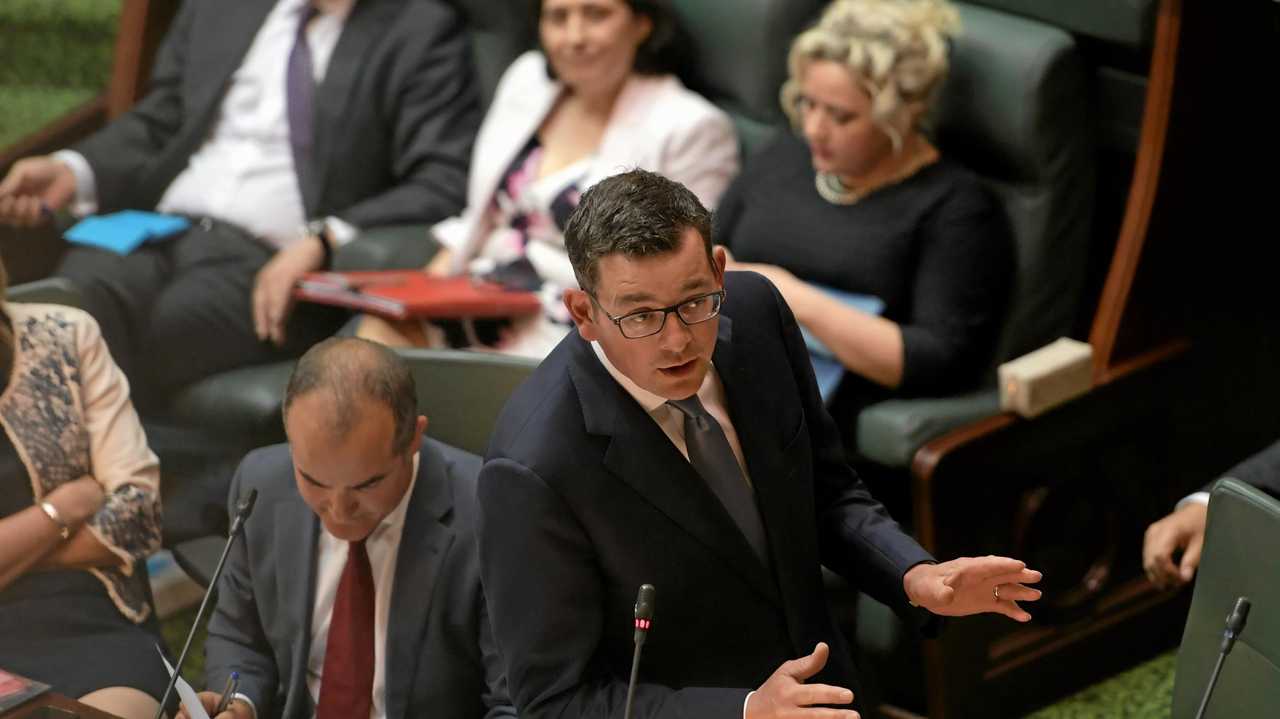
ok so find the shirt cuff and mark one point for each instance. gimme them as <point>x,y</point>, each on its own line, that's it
<point>253,708</point>
<point>744,704</point>
<point>1193,498</point>
<point>86,199</point>
<point>340,230</point>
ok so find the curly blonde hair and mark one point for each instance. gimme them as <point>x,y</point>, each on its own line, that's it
<point>897,50</point>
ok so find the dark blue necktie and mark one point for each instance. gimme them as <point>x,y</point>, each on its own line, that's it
<point>714,460</point>
<point>300,91</point>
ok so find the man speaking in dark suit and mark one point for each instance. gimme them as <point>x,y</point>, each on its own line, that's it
<point>678,439</point>
<point>281,128</point>
<point>355,592</point>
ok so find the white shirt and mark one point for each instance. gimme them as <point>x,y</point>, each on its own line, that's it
<point>671,420</point>
<point>244,173</point>
<point>383,546</point>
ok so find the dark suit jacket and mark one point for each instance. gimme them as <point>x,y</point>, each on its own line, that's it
<point>441,659</point>
<point>394,120</point>
<point>583,498</point>
<point>1262,470</point>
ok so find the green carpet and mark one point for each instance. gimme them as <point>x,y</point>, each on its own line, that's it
<point>54,56</point>
<point>175,630</point>
<point>1144,692</point>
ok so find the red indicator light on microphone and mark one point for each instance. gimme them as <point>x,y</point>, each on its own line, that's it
<point>643,624</point>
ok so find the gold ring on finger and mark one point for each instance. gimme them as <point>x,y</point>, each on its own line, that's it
<point>995,592</point>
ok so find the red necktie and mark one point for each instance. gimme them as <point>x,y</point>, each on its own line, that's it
<point>346,687</point>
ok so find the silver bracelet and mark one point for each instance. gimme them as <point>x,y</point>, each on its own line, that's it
<point>52,513</point>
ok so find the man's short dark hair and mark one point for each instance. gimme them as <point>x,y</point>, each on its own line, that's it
<point>638,214</point>
<point>352,369</point>
<point>663,52</point>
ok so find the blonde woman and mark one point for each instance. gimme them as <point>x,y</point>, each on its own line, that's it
<point>79,505</point>
<point>896,263</point>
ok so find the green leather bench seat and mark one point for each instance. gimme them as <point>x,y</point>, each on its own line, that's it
<point>243,405</point>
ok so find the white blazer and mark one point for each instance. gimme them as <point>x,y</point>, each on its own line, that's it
<point>657,124</point>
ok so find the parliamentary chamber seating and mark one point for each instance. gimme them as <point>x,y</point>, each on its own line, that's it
<point>1062,109</point>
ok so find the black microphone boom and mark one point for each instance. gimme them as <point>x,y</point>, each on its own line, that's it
<point>1235,625</point>
<point>644,620</point>
<point>242,513</point>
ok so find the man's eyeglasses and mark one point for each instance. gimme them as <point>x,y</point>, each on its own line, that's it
<point>644,323</point>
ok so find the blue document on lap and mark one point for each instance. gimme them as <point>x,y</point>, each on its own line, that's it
<point>826,368</point>
<point>123,232</point>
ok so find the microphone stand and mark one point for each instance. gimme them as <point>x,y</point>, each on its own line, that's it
<point>644,619</point>
<point>242,513</point>
<point>1235,625</point>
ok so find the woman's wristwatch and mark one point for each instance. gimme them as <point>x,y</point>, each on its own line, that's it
<point>52,513</point>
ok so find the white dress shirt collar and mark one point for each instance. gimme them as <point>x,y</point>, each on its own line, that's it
<point>648,400</point>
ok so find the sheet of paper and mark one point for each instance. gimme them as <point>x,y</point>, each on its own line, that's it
<point>186,694</point>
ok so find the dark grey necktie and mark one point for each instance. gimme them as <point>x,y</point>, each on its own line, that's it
<point>300,89</point>
<point>713,458</point>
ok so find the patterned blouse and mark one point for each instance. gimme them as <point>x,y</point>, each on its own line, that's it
<point>66,409</point>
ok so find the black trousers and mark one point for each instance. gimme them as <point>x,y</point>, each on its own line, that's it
<point>176,311</point>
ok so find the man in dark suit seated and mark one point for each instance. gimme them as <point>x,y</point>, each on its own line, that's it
<point>678,439</point>
<point>281,128</point>
<point>355,590</point>
<point>1182,531</point>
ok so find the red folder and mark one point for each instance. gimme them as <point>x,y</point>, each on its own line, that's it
<point>401,294</point>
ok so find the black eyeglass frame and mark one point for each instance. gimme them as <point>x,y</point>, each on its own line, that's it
<point>668,310</point>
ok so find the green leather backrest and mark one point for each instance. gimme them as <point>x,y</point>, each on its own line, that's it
<point>1126,22</point>
<point>52,290</point>
<point>1241,558</point>
<point>1015,110</point>
<point>500,31</point>
<point>738,57</point>
<point>461,393</point>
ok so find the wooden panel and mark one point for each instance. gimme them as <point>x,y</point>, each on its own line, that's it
<point>1114,305</point>
<point>142,27</point>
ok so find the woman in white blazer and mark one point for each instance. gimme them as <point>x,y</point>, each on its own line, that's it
<point>597,99</point>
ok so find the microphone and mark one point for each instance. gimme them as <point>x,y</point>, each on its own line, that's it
<point>644,620</point>
<point>243,509</point>
<point>1235,626</point>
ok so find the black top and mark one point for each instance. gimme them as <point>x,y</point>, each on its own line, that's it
<point>935,247</point>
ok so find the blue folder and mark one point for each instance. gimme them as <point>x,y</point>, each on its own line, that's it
<point>826,368</point>
<point>123,232</point>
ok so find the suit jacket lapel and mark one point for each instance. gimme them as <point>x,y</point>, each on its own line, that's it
<point>366,23</point>
<point>297,532</point>
<point>765,423</point>
<point>424,544</point>
<point>220,47</point>
<point>762,421</point>
<point>642,455</point>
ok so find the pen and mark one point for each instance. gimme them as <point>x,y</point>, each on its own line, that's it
<point>233,683</point>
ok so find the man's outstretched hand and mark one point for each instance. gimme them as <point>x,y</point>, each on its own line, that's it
<point>973,585</point>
